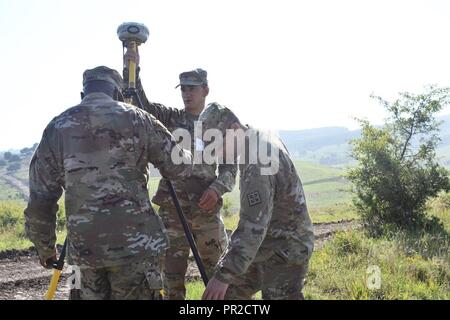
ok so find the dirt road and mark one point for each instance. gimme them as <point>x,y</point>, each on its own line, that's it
<point>15,183</point>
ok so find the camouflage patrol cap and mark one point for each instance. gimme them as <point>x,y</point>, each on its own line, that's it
<point>103,73</point>
<point>219,117</point>
<point>197,77</point>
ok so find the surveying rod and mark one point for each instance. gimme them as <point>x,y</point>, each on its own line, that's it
<point>132,35</point>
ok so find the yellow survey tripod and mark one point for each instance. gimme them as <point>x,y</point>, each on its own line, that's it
<point>133,34</point>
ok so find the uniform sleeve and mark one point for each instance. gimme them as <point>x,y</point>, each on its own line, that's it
<point>225,180</point>
<point>167,116</point>
<point>45,190</point>
<point>172,161</point>
<point>257,192</point>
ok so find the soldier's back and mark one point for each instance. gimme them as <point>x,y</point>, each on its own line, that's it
<point>101,147</point>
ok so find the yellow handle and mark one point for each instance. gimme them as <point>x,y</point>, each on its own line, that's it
<point>53,284</point>
<point>132,66</point>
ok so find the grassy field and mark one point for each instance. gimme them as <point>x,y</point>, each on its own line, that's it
<point>324,187</point>
<point>12,231</point>
<point>309,171</point>
<point>411,266</point>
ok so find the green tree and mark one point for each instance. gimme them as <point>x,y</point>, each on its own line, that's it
<point>397,171</point>
<point>7,155</point>
<point>14,158</point>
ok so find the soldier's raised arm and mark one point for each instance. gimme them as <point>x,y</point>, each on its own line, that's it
<point>45,190</point>
<point>167,116</point>
<point>164,153</point>
<point>257,195</point>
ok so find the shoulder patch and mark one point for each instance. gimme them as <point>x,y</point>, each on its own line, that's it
<point>253,198</point>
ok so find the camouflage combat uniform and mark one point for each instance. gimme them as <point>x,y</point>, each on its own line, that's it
<point>98,153</point>
<point>207,227</point>
<point>271,247</point>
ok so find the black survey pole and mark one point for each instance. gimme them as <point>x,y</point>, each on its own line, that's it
<point>188,233</point>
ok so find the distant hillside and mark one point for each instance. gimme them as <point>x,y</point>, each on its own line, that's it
<point>326,146</point>
<point>329,145</point>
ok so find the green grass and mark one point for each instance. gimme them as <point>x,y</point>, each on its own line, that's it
<point>326,194</point>
<point>333,213</point>
<point>413,265</point>
<point>309,171</point>
<point>12,225</point>
<point>319,195</point>
<point>195,289</point>
<point>339,270</point>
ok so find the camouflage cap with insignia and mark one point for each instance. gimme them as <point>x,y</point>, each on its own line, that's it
<point>197,77</point>
<point>103,73</point>
<point>219,117</point>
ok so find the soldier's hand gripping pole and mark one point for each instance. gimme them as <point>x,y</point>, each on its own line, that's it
<point>57,269</point>
<point>132,35</point>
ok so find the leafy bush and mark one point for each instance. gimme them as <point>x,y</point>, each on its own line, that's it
<point>397,171</point>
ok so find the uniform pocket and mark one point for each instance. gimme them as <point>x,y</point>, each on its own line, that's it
<point>153,274</point>
<point>295,253</point>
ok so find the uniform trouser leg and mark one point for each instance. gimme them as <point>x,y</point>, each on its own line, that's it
<point>245,285</point>
<point>283,281</point>
<point>210,237</point>
<point>140,280</point>
<point>94,285</point>
<point>176,259</point>
<point>277,280</point>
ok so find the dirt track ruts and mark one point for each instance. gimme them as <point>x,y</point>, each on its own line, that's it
<point>17,185</point>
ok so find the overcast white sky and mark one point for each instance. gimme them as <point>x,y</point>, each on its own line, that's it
<point>277,64</point>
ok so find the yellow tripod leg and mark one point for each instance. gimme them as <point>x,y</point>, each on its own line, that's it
<point>53,284</point>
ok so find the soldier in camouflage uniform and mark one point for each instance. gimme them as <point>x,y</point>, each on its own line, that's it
<point>273,242</point>
<point>98,153</point>
<point>202,199</point>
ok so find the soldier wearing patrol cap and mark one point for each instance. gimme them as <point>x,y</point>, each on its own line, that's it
<point>271,247</point>
<point>202,200</point>
<point>98,153</point>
